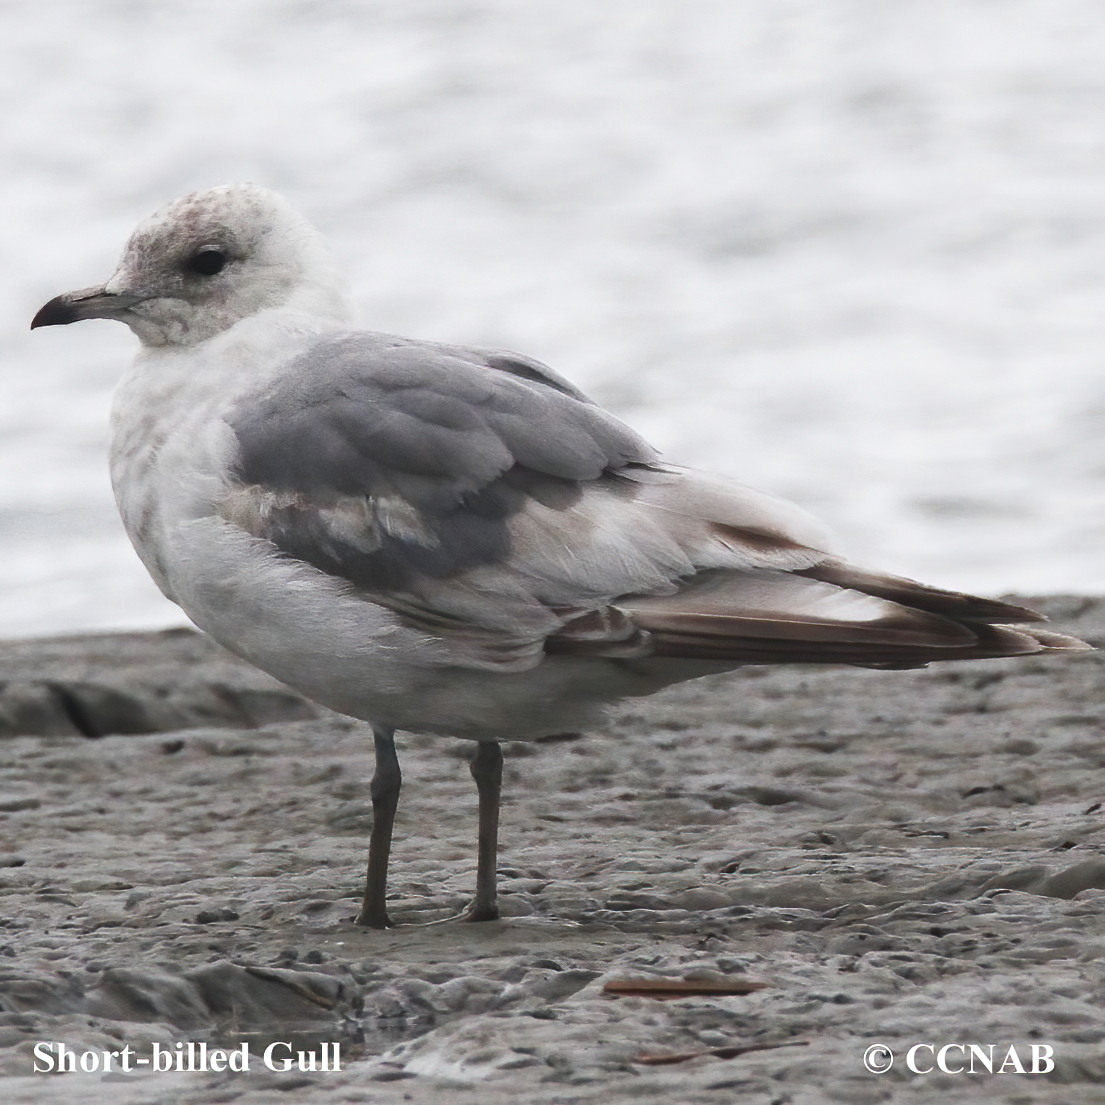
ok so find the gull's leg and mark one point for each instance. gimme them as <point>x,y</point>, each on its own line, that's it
<point>487,769</point>
<point>385,800</point>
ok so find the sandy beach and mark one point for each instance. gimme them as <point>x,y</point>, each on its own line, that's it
<point>901,859</point>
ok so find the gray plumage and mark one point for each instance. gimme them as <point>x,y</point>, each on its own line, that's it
<point>442,444</point>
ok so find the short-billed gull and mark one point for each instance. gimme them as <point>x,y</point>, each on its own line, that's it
<point>445,539</point>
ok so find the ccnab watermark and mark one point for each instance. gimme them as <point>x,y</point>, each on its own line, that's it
<point>963,1058</point>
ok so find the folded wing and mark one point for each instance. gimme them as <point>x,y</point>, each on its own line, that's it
<point>490,504</point>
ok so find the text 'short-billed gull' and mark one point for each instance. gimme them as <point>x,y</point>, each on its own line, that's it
<point>445,539</point>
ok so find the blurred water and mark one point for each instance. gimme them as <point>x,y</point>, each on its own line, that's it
<point>850,251</point>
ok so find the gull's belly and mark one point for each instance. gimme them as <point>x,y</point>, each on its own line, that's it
<point>354,656</point>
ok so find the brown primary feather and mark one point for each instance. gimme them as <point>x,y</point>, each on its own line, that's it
<point>991,641</point>
<point>833,613</point>
<point>909,592</point>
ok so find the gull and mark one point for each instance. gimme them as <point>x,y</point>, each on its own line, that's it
<point>446,539</point>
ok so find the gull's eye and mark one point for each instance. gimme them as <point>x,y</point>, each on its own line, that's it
<point>206,261</point>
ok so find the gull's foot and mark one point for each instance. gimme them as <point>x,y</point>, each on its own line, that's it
<point>373,920</point>
<point>472,913</point>
<point>480,912</point>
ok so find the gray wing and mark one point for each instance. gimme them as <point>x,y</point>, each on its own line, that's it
<point>383,460</point>
<point>492,505</point>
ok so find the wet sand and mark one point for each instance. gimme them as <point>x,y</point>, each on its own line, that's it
<point>901,858</point>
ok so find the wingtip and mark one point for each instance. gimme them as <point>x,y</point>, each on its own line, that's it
<point>1051,641</point>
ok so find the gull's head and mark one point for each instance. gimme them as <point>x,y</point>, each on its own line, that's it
<point>205,262</point>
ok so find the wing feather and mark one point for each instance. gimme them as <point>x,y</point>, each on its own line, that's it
<point>490,504</point>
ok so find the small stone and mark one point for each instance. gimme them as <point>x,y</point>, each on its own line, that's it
<point>208,916</point>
